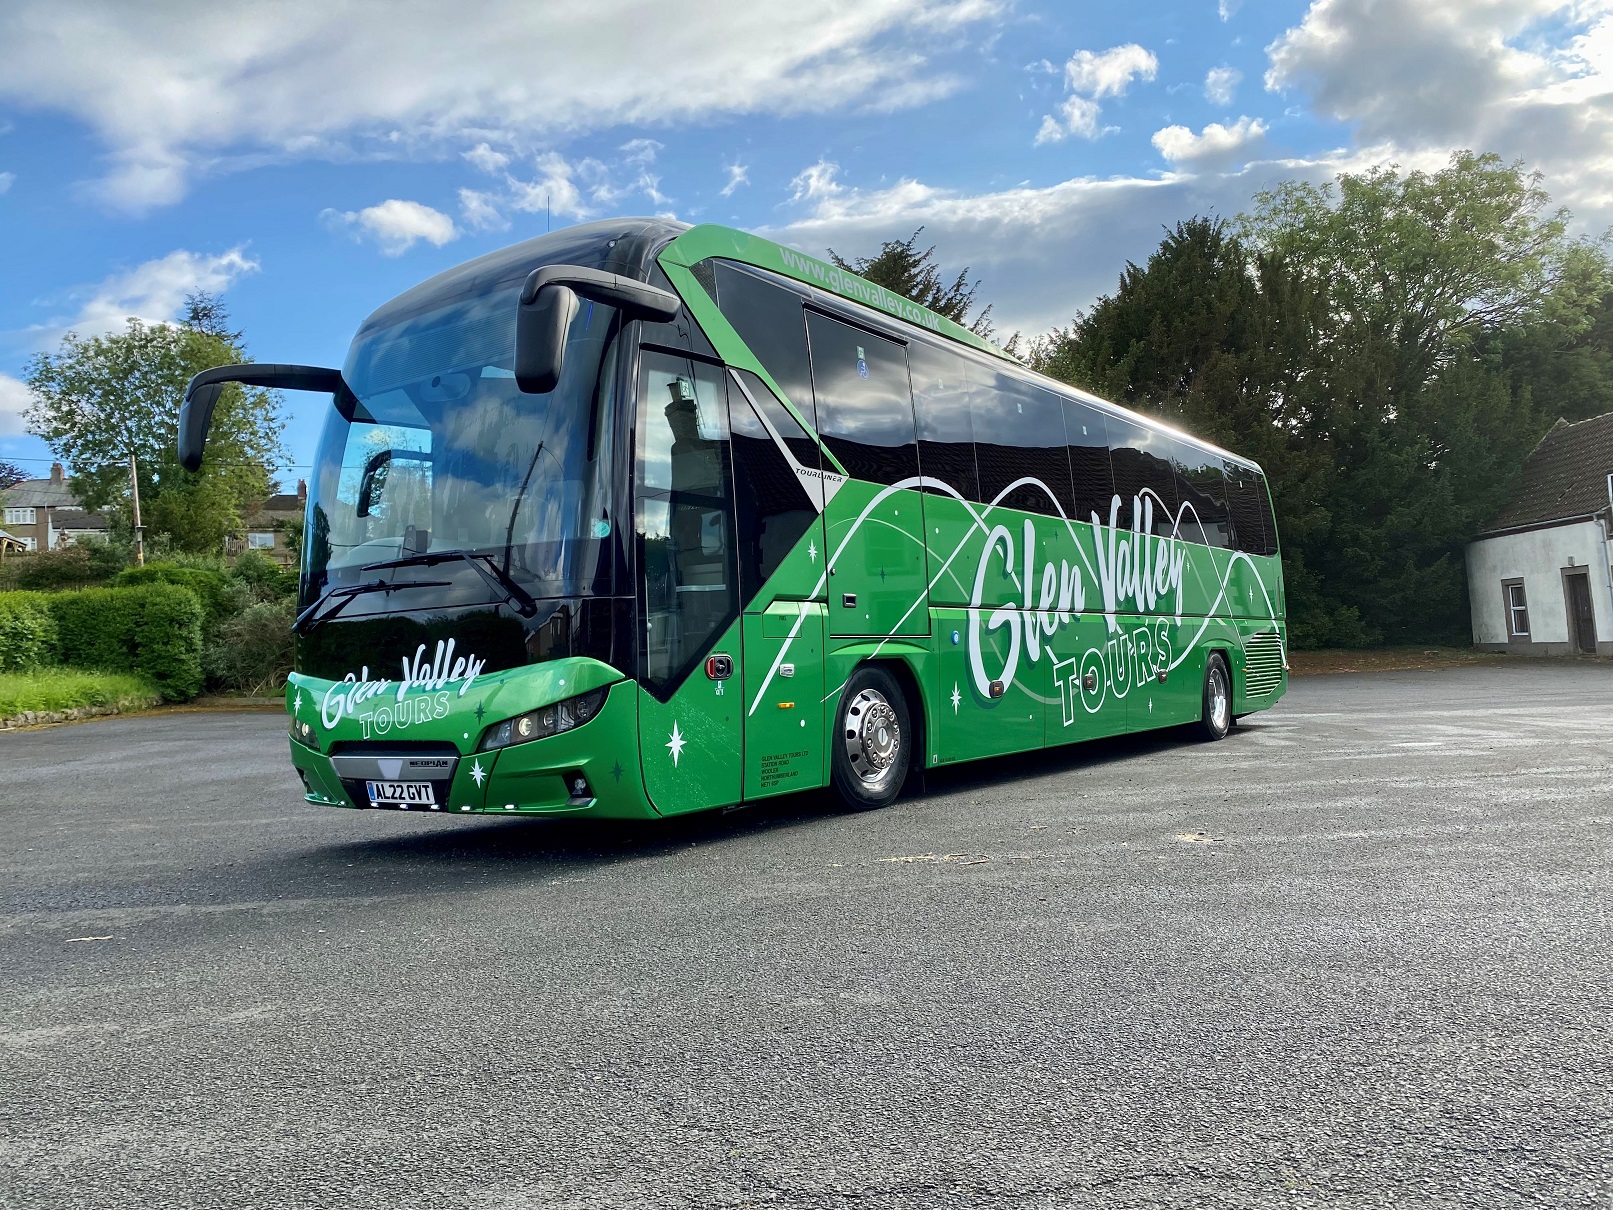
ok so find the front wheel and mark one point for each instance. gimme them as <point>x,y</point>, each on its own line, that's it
<point>1216,718</point>
<point>873,740</point>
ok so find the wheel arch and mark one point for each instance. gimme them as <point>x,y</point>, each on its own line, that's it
<point>918,706</point>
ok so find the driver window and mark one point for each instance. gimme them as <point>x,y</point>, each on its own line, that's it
<point>685,522</point>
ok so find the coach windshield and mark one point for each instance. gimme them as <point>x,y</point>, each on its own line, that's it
<point>436,450</point>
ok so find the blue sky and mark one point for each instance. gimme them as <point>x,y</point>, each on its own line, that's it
<point>309,161</point>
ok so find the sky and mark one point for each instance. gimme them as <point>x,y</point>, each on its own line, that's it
<point>309,159</point>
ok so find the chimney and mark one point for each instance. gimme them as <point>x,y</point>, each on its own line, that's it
<point>56,472</point>
<point>302,491</point>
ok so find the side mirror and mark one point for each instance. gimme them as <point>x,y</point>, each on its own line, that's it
<point>201,397</point>
<point>549,304</point>
<point>540,338</point>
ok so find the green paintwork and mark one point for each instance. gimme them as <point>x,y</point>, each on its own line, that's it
<point>876,540</point>
<point>699,766</point>
<point>784,724</point>
<point>963,583</point>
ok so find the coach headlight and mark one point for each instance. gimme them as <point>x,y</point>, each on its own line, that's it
<point>303,732</point>
<point>545,721</point>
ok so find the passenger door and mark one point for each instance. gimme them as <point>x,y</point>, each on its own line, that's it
<point>690,722</point>
<point>879,569</point>
<point>780,527</point>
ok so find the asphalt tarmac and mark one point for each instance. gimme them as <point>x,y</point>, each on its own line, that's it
<point>1358,954</point>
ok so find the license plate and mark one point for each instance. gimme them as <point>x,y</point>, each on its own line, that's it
<point>402,793</point>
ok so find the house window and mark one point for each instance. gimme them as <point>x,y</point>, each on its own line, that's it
<point>1517,610</point>
<point>260,541</point>
<point>20,516</point>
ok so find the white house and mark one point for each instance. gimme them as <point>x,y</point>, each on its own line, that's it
<point>1540,579</point>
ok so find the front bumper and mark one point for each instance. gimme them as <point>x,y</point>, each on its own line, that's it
<point>540,777</point>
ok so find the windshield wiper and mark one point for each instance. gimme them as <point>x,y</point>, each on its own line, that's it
<point>311,619</point>
<point>499,580</point>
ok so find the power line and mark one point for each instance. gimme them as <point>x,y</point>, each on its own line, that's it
<point>273,466</point>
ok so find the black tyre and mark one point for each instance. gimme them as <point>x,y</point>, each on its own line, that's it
<point>1216,719</point>
<point>873,740</point>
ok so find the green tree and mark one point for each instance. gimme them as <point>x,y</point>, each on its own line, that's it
<point>1378,344</point>
<point>11,474</point>
<point>98,400</point>
<point>903,269</point>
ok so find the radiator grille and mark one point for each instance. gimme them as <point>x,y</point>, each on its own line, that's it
<point>1263,664</point>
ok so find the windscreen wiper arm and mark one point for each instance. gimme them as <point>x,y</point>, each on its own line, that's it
<point>499,580</point>
<point>311,619</point>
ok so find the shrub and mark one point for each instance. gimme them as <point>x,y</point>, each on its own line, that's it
<point>252,651</point>
<point>221,597</point>
<point>268,579</point>
<point>27,631</point>
<point>75,566</point>
<point>153,629</point>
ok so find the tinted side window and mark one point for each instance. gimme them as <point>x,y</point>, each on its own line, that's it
<point>1094,482</point>
<point>1202,488</point>
<point>1250,509</point>
<point>865,406</point>
<point>1143,469</point>
<point>769,320</point>
<point>773,507</point>
<point>941,404</point>
<point>1019,434</point>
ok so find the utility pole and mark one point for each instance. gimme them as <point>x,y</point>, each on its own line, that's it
<point>139,530</point>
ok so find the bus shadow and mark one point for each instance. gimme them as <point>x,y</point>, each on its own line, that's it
<point>976,775</point>
<point>468,852</point>
<point>536,847</point>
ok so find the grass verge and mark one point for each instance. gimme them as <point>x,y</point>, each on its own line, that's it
<point>58,689</point>
<point>1387,659</point>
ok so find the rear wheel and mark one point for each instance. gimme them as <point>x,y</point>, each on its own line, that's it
<point>1216,719</point>
<point>873,740</point>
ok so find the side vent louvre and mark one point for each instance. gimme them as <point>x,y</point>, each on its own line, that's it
<point>1263,663</point>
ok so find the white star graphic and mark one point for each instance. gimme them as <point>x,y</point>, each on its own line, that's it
<point>812,551</point>
<point>675,744</point>
<point>956,697</point>
<point>477,773</point>
<point>296,706</point>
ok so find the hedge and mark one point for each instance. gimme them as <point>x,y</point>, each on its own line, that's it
<point>27,631</point>
<point>221,595</point>
<point>153,629</point>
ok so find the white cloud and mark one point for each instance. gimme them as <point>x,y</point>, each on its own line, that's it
<point>1043,253</point>
<point>1530,79</point>
<point>480,211</point>
<point>1076,116</point>
<point>191,86</point>
<point>1221,85</point>
<point>484,157</point>
<point>738,175</point>
<point>396,225</point>
<point>153,291</point>
<point>1109,74</point>
<point>816,182</point>
<point>1217,146</point>
<point>7,179</point>
<point>1225,9</point>
<point>552,191</point>
<point>1089,77</point>
<point>640,151</point>
<point>14,401</point>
